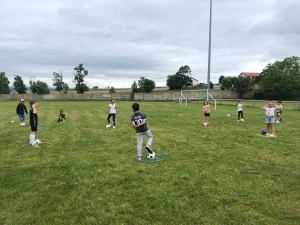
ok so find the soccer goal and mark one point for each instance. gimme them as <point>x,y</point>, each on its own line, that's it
<point>186,95</point>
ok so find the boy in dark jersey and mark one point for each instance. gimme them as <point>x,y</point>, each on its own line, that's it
<point>61,116</point>
<point>138,121</point>
<point>33,122</point>
<point>21,108</point>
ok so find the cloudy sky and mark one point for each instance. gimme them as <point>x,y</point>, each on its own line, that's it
<point>119,41</point>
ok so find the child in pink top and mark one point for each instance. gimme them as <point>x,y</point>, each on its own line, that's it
<point>206,112</point>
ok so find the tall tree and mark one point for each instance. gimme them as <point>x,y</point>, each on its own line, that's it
<point>58,81</point>
<point>4,82</point>
<point>242,85</point>
<point>134,87</point>
<point>19,85</point>
<point>65,88</point>
<point>281,78</point>
<point>39,87</point>
<point>79,75</point>
<point>146,85</point>
<point>112,90</point>
<point>180,79</point>
<point>221,78</point>
<point>226,83</point>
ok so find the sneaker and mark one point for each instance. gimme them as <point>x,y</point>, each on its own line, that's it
<point>267,134</point>
<point>272,135</point>
<point>149,149</point>
<point>242,120</point>
<point>139,158</point>
<point>114,127</point>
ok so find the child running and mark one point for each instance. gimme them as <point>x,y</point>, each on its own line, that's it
<point>270,108</point>
<point>138,121</point>
<point>112,110</point>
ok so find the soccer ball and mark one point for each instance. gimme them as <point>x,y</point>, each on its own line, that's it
<point>263,132</point>
<point>107,126</point>
<point>205,124</point>
<point>22,124</point>
<point>277,121</point>
<point>242,120</point>
<point>228,114</point>
<point>38,142</point>
<point>151,155</point>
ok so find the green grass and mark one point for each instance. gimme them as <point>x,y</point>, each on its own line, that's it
<point>224,174</point>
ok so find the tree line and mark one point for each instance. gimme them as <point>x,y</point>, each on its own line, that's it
<point>280,80</point>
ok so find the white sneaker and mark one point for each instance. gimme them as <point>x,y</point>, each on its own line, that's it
<point>114,127</point>
<point>238,121</point>
<point>267,134</point>
<point>242,120</point>
<point>272,135</point>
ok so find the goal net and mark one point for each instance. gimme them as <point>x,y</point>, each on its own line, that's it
<point>187,95</point>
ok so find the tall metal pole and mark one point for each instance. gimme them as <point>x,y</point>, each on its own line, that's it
<point>209,54</point>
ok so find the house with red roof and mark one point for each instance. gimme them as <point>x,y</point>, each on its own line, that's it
<point>252,75</point>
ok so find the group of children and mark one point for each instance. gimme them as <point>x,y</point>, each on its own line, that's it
<point>270,108</point>
<point>138,120</point>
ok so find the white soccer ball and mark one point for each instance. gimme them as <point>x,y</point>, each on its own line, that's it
<point>205,124</point>
<point>22,124</point>
<point>151,155</point>
<point>228,114</point>
<point>277,121</point>
<point>107,126</point>
<point>242,120</point>
<point>38,142</point>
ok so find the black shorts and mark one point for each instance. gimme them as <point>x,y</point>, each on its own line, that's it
<point>279,113</point>
<point>33,128</point>
<point>206,114</point>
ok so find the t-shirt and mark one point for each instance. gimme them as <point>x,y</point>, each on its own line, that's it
<point>206,108</point>
<point>33,119</point>
<point>62,115</point>
<point>270,111</point>
<point>112,108</point>
<point>280,108</point>
<point>137,118</point>
<point>240,107</point>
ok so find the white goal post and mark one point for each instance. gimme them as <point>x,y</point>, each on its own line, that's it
<point>185,98</point>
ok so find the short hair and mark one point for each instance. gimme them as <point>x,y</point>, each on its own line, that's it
<point>32,102</point>
<point>135,106</point>
<point>61,110</point>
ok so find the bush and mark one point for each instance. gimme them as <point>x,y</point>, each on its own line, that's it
<point>258,95</point>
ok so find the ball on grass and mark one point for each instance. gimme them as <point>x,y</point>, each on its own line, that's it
<point>263,132</point>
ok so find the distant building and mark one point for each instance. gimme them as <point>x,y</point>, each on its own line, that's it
<point>195,82</point>
<point>252,75</point>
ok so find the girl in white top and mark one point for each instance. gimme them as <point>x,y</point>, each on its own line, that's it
<point>270,109</point>
<point>112,110</point>
<point>240,111</point>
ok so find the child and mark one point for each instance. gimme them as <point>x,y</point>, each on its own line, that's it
<point>270,109</point>
<point>61,116</point>
<point>240,111</point>
<point>206,112</point>
<point>21,108</point>
<point>279,111</point>
<point>138,121</point>
<point>33,122</point>
<point>112,110</point>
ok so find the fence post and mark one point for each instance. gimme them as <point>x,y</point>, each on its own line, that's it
<point>253,103</point>
<point>221,102</point>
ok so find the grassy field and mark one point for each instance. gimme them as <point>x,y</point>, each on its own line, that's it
<point>84,174</point>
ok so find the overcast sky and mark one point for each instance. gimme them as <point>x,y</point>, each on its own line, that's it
<point>119,41</point>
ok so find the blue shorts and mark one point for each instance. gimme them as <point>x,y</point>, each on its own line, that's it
<point>269,119</point>
<point>21,116</point>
